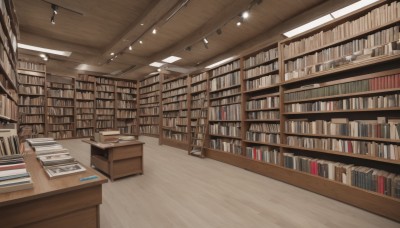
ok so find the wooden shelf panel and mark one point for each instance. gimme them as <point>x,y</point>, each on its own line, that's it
<point>224,136</point>
<point>343,111</point>
<point>347,137</point>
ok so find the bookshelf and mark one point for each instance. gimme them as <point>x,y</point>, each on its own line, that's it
<point>338,111</point>
<point>31,89</point>
<point>261,103</point>
<point>198,113</point>
<point>149,106</point>
<point>175,119</point>
<point>225,112</point>
<point>126,107</point>
<point>85,105</point>
<point>8,65</point>
<point>60,107</point>
<point>105,104</point>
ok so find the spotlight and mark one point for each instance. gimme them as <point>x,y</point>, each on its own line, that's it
<point>245,14</point>
<point>238,23</point>
<point>219,31</point>
<point>42,55</point>
<point>154,31</point>
<point>205,40</point>
<point>130,47</point>
<point>159,70</point>
<point>141,42</point>
<point>112,53</point>
<point>55,8</point>
<point>53,21</point>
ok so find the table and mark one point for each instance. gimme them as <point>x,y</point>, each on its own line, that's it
<point>60,202</point>
<point>117,159</point>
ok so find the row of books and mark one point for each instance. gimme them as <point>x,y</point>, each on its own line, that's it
<point>7,66</point>
<point>149,111</point>
<point>175,135</point>
<point>264,81</point>
<point>126,104</point>
<point>32,119</point>
<point>84,132</point>
<point>263,115</point>
<point>105,95</point>
<point>175,84</point>
<point>130,84</point>
<point>60,93</point>
<point>23,100</point>
<point>59,120</point>
<point>370,20</point>
<point>199,77</point>
<point>199,96</point>
<point>104,104</point>
<point>373,84</point>
<point>368,148</point>
<point>226,68</point>
<point>128,114</point>
<point>86,78</point>
<point>13,174</point>
<point>127,97</point>
<point>9,144</point>
<point>60,127</point>
<point>60,111</point>
<point>58,102</point>
<point>225,81</point>
<point>354,103</point>
<point>85,95</point>
<point>108,111</point>
<point>371,179</point>
<point>8,108</point>
<point>228,129</point>
<point>105,88</point>
<point>31,66</point>
<point>177,98</point>
<point>229,112</point>
<point>264,127</point>
<point>153,130</point>
<point>173,121</point>
<point>228,145</point>
<point>175,106</point>
<point>264,154</point>
<point>31,90</point>
<point>79,85</point>
<point>225,93</point>
<point>150,80</point>
<point>176,92</point>
<point>263,137</point>
<point>198,87</point>
<point>84,117</point>
<point>131,91</point>
<point>261,70</point>
<point>147,100</point>
<point>101,117</point>
<point>225,101</point>
<point>84,123</point>
<point>105,81</point>
<point>85,104</point>
<point>104,124</point>
<point>338,127</point>
<point>148,120</point>
<point>30,79</point>
<point>262,57</point>
<point>61,134</point>
<point>264,103</point>
<point>36,128</point>
<point>84,111</point>
<point>148,89</point>
<point>198,114</point>
<point>197,104</point>
<point>56,85</point>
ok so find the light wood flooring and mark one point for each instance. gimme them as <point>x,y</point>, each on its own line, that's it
<point>178,190</point>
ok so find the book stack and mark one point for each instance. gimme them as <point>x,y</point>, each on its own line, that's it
<point>13,174</point>
<point>55,159</point>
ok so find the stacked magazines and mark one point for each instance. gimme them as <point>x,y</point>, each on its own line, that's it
<point>13,174</point>
<point>55,159</point>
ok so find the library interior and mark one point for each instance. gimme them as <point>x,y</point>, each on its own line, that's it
<point>190,113</point>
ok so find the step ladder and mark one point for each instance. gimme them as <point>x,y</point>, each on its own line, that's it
<point>198,139</point>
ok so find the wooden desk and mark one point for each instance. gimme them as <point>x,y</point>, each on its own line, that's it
<point>60,202</point>
<point>117,159</point>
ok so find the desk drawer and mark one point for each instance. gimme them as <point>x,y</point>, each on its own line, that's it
<point>120,153</point>
<point>100,163</point>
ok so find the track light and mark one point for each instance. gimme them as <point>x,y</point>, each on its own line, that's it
<point>140,42</point>
<point>55,8</point>
<point>52,20</point>
<point>245,14</point>
<point>159,70</point>
<point>239,22</point>
<point>205,40</point>
<point>154,31</point>
<point>130,48</point>
<point>112,53</point>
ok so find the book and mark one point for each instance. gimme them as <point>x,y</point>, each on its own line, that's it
<point>63,169</point>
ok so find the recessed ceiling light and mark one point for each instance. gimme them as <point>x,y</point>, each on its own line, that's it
<point>141,42</point>
<point>219,62</point>
<point>45,50</point>
<point>245,14</point>
<point>171,59</point>
<point>156,64</point>
<point>112,53</point>
<point>309,26</point>
<point>351,8</point>
<point>141,24</point>
<point>238,23</point>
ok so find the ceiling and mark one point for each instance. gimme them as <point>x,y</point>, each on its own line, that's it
<point>97,28</point>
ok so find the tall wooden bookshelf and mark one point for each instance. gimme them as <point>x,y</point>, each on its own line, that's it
<point>85,105</point>
<point>105,104</point>
<point>174,124</point>
<point>32,95</point>
<point>198,113</point>
<point>60,109</point>
<point>339,113</point>
<point>149,106</point>
<point>126,107</point>
<point>261,116</point>
<point>225,113</point>
<point>8,64</point>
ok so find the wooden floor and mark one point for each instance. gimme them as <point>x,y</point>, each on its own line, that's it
<point>178,190</point>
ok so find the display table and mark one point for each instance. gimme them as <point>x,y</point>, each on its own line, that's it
<point>117,159</point>
<point>60,202</point>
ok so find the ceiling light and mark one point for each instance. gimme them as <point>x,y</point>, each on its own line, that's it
<point>112,53</point>
<point>141,42</point>
<point>205,40</point>
<point>45,50</point>
<point>53,21</point>
<point>159,70</point>
<point>130,47</point>
<point>156,64</point>
<point>141,24</point>
<point>42,55</point>
<point>55,8</point>
<point>353,7</point>
<point>219,62</point>
<point>245,14</point>
<point>45,59</point>
<point>238,23</point>
<point>154,31</point>
<point>309,26</point>
<point>171,59</point>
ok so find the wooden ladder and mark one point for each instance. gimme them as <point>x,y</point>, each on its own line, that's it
<point>197,149</point>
